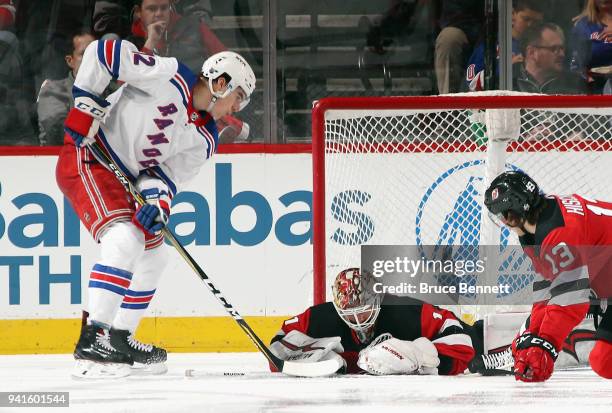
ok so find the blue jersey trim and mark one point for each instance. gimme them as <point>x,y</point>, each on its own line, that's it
<point>116,59</point>
<point>180,89</point>
<point>187,75</point>
<point>102,56</point>
<point>77,92</point>
<point>160,173</point>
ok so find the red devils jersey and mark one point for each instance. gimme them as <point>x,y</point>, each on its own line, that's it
<point>405,319</point>
<point>572,251</point>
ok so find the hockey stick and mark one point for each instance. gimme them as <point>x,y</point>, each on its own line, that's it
<point>322,368</point>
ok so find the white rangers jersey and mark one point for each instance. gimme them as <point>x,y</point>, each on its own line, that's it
<point>151,124</point>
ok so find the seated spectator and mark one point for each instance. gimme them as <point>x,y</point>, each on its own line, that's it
<point>525,13</point>
<point>591,42</point>
<point>460,21</point>
<point>55,97</point>
<point>158,29</point>
<point>15,122</point>
<point>542,71</point>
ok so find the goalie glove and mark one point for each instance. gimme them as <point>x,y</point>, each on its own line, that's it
<point>153,216</point>
<point>297,346</point>
<point>83,120</point>
<point>388,355</point>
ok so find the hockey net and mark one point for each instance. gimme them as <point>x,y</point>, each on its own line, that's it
<point>413,170</point>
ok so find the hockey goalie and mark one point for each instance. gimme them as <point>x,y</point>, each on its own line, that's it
<point>376,334</point>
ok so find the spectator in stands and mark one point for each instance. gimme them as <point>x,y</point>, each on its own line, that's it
<point>199,8</point>
<point>111,19</point>
<point>158,29</point>
<point>15,122</point>
<point>591,42</point>
<point>460,21</point>
<point>55,96</point>
<point>543,48</point>
<point>525,13</point>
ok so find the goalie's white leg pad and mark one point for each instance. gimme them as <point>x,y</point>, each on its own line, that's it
<point>500,329</point>
<point>86,369</point>
<point>577,346</point>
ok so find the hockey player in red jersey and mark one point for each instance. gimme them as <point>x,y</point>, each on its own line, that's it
<point>159,129</point>
<point>375,333</point>
<point>569,240</point>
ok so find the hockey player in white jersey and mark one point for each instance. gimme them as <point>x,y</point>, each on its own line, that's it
<point>159,129</point>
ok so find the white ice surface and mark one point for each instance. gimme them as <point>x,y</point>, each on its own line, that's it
<point>579,391</point>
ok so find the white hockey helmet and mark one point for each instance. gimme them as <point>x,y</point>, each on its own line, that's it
<point>240,73</point>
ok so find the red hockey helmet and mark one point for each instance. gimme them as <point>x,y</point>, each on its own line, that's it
<point>355,300</point>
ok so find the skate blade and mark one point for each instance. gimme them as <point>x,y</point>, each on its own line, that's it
<point>139,369</point>
<point>86,369</point>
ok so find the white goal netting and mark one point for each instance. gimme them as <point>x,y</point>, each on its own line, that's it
<point>410,176</point>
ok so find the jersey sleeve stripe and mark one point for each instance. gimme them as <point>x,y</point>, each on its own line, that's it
<point>116,61</point>
<point>162,175</point>
<point>78,92</point>
<point>210,139</point>
<point>176,85</point>
<point>102,55</point>
<point>454,339</point>
<point>184,81</point>
<point>449,322</point>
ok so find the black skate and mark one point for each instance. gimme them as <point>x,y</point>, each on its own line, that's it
<point>493,364</point>
<point>96,358</point>
<point>148,359</point>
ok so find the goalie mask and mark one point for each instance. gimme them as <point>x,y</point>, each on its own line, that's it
<point>240,73</point>
<point>355,300</point>
<point>512,191</point>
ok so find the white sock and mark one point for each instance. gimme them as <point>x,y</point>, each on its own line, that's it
<point>147,274</point>
<point>121,245</point>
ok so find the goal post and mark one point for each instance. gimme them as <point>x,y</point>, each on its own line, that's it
<point>412,170</point>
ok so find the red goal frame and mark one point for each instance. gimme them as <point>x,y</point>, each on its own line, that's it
<point>462,101</point>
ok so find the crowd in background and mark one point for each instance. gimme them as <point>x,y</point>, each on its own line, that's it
<point>42,44</point>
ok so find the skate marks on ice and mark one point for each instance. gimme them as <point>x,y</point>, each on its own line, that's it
<point>241,383</point>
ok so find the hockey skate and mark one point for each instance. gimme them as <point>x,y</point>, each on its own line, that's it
<point>148,359</point>
<point>96,358</point>
<point>493,364</point>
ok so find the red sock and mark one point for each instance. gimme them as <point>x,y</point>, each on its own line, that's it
<point>601,358</point>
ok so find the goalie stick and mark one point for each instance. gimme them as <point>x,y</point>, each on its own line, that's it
<point>321,368</point>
